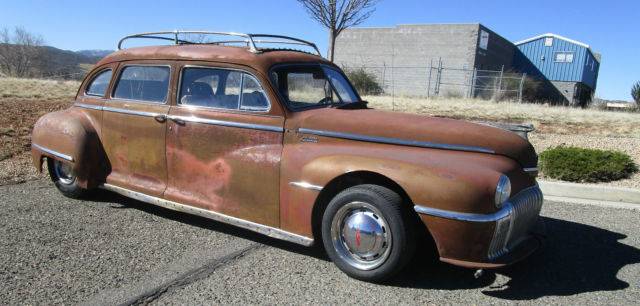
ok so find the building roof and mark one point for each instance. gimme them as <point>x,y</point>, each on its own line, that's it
<point>556,36</point>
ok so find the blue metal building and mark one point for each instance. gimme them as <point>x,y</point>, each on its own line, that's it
<point>571,67</point>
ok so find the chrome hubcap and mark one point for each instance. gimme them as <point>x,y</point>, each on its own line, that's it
<point>63,172</point>
<point>361,235</point>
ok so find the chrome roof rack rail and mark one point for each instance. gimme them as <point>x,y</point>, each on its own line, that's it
<point>249,39</point>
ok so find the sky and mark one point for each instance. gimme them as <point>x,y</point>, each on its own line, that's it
<point>609,27</point>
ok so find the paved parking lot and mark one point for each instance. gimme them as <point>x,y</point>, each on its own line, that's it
<point>114,250</point>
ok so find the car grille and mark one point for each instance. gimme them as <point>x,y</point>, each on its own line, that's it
<point>524,209</point>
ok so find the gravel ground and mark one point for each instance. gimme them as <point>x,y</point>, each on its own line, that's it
<point>112,250</point>
<point>629,145</point>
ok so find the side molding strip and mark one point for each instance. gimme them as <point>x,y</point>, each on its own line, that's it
<point>52,152</point>
<point>447,214</point>
<point>242,125</point>
<point>129,112</point>
<point>306,185</point>
<point>396,141</point>
<point>88,106</point>
<point>252,226</point>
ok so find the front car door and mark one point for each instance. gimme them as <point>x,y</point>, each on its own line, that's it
<point>224,144</point>
<point>134,121</point>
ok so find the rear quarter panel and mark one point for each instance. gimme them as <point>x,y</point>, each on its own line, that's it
<point>72,132</point>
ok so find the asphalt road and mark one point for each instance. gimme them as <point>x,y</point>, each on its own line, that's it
<point>113,250</point>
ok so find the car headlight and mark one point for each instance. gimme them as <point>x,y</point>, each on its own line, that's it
<point>503,191</point>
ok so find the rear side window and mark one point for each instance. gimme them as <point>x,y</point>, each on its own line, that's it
<point>99,84</point>
<point>143,83</point>
<point>222,89</point>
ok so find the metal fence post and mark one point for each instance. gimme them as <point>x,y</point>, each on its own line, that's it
<point>521,88</point>
<point>438,78</point>
<point>393,78</point>
<point>500,81</point>
<point>429,82</point>
<point>473,82</point>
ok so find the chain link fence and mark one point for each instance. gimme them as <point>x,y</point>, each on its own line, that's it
<point>436,80</point>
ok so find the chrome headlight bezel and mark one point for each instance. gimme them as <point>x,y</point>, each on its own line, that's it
<point>503,191</point>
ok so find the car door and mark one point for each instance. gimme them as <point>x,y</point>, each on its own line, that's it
<point>224,144</point>
<point>134,127</point>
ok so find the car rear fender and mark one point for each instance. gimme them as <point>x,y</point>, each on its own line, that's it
<point>70,136</point>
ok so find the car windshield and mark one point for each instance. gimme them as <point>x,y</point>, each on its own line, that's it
<point>306,86</point>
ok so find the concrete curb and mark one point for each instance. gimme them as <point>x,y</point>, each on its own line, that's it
<point>590,192</point>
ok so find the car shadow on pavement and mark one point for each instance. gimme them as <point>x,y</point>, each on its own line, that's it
<point>576,258</point>
<point>121,202</point>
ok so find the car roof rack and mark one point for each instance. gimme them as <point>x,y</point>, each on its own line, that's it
<point>249,39</point>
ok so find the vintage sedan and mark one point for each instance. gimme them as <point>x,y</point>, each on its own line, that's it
<point>279,142</point>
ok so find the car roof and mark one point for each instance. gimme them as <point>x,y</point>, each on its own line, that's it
<point>262,60</point>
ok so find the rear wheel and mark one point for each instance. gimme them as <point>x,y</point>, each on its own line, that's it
<point>368,233</point>
<point>64,178</point>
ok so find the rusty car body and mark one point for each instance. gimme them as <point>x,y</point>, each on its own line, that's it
<point>276,165</point>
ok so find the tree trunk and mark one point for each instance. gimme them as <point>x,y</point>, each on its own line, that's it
<point>332,44</point>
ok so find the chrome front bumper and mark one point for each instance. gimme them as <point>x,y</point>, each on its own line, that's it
<point>521,214</point>
<point>513,222</point>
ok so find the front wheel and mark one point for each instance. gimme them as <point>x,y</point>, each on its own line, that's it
<point>64,179</point>
<point>368,233</point>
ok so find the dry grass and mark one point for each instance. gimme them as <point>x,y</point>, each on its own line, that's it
<point>37,89</point>
<point>22,101</point>
<point>546,119</point>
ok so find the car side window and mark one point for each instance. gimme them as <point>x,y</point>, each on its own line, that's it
<point>222,89</point>
<point>143,83</point>
<point>99,84</point>
<point>253,97</point>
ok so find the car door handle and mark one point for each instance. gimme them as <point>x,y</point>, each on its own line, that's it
<point>177,120</point>
<point>160,118</point>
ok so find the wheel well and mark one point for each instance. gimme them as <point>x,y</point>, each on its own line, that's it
<point>345,181</point>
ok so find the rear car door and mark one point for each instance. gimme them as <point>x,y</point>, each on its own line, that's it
<point>134,127</point>
<point>224,144</point>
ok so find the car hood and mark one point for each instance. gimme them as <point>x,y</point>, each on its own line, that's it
<point>417,130</point>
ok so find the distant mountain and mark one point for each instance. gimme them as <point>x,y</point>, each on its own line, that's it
<point>95,53</point>
<point>64,64</point>
<point>51,62</point>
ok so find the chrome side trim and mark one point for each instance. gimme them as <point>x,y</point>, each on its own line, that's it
<point>128,112</point>
<point>396,141</point>
<point>252,226</point>
<point>306,185</point>
<point>262,127</point>
<point>529,170</point>
<point>52,152</point>
<point>88,106</point>
<point>469,217</point>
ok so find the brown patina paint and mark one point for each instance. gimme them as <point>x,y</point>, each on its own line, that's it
<point>246,173</point>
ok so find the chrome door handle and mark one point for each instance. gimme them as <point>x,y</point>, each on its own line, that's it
<point>177,120</point>
<point>160,118</point>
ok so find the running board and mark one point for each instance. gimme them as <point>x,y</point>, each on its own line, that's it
<point>252,226</point>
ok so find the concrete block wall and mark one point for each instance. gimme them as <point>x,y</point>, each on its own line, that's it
<point>409,49</point>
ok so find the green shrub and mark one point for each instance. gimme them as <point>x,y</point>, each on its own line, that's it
<point>364,82</point>
<point>586,165</point>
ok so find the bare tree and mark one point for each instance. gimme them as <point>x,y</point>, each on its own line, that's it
<point>338,15</point>
<point>20,50</point>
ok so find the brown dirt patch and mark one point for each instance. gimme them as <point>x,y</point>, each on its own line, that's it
<point>16,123</point>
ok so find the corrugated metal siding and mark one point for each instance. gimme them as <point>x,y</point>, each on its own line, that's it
<point>591,68</point>
<point>542,58</point>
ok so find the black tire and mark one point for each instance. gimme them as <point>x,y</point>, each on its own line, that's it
<point>398,223</point>
<point>68,186</point>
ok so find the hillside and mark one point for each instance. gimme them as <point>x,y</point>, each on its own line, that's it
<point>51,62</point>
